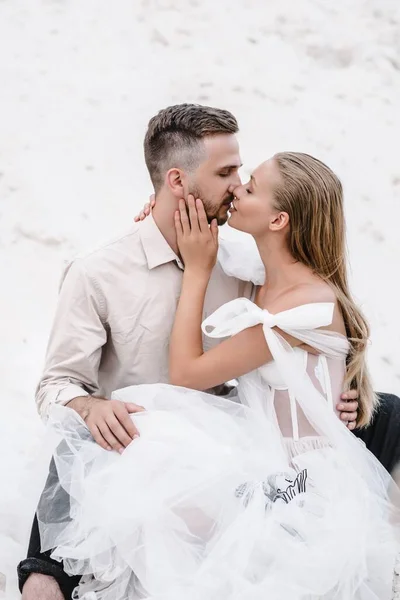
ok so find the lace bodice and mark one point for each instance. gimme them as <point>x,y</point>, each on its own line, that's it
<point>283,379</point>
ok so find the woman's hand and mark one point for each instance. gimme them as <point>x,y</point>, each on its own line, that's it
<point>146,210</point>
<point>197,240</point>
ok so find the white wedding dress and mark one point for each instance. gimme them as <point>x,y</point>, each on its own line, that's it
<point>268,497</point>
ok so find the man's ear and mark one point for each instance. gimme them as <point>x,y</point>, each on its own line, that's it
<point>175,181</point>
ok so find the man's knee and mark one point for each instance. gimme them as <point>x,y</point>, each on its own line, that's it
<point>41,587</point>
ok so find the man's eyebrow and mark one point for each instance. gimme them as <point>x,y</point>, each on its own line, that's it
<point>230,167</point>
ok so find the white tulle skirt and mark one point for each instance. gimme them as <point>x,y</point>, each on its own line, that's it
<point>208,504</point>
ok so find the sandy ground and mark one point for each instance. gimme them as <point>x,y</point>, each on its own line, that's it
<point>79,81</point>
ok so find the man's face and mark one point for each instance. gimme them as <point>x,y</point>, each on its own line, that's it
<point>215,174</point>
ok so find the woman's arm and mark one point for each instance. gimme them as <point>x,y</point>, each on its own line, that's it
<point>244,352</point>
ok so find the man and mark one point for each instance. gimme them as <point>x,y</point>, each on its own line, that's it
<point>116,305</point>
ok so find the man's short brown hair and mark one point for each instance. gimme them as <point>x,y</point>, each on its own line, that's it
<point>174,137</point>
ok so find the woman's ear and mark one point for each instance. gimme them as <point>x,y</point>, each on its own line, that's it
<point>279,221</point>
<point>174,179</point>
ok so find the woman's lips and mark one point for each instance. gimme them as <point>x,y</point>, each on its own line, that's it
<point>230,205</point>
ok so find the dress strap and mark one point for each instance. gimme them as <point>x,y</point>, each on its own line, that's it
<point>327,381</point>
<point>293,414</point>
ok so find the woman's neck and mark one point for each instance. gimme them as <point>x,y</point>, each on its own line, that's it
<point>281,269</point>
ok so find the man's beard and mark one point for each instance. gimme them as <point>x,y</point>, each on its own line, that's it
<point>210,210</point>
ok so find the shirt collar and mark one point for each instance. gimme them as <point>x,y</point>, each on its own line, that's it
<point>156,248</point>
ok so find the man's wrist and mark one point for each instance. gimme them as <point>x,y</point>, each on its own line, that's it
<point>82,405</point>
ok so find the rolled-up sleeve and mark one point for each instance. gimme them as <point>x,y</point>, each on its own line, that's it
<point>76,340</point>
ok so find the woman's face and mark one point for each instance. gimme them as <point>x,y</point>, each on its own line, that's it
<point>253,209</point>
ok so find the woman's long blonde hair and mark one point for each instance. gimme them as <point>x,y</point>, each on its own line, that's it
<point>312,196</point>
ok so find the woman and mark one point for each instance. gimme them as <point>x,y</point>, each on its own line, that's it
<point>270,497</point>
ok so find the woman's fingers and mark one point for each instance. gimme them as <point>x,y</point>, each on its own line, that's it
<point>146,210</point>
<point>184,217</point>
<point>201,215</point>
<point>178,226</point>
<point>194,219</point>
<point>214,230</point>
<point>143,213</point>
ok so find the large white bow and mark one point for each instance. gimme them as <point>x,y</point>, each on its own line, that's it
<point>240,314</point>
<point>301,322</point>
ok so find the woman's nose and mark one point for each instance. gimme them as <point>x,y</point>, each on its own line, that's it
<point>237,191</point>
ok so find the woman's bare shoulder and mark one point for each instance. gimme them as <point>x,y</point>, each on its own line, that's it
<point>309,292</point>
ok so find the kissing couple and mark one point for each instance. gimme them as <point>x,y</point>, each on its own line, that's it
<point>167,485</point>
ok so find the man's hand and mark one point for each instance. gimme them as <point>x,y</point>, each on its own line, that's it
<point>146,210</point>
<point>348,408</point>
<point>108,420</point>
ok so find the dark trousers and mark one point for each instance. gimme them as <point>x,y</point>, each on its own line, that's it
<point>382,438</point>
<point>41,562</point>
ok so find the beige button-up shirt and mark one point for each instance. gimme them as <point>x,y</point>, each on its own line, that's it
<point>114,317</point>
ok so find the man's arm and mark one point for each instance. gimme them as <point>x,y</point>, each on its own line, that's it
<point>73,357</point>
<point>76,340</point>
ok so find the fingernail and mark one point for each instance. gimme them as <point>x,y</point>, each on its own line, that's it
<point>135,436</point>
<point>121,450</point>
<point>341,406</point>
<point>109,448</point>
<point>345,397</point>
